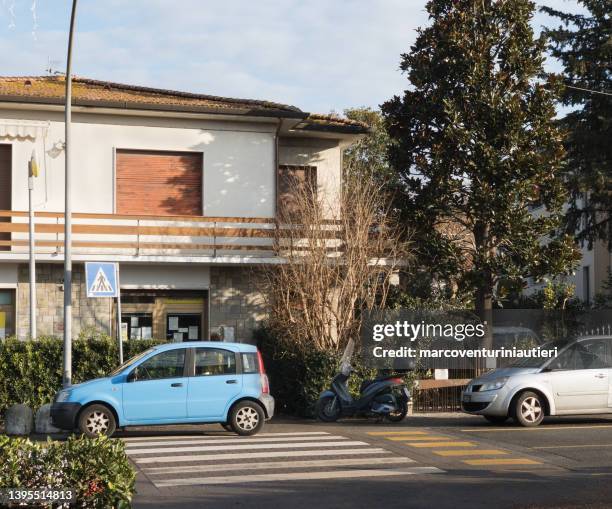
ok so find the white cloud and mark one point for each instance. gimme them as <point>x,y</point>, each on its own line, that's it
<point>319,55</point>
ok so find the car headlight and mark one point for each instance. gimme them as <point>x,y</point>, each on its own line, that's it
<point>62,396</point>
<point>493,385</point>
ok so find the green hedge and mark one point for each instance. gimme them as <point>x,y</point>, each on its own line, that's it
<point>297,378</point>
<point>31,371</point>
<point>96,468</point>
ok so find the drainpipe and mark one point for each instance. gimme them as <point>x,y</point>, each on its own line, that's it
<point>276,161</point>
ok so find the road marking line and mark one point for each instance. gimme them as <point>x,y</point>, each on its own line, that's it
<point>443,444</point>
<point>385,433</point>
<point>471,452</point>
<point>234,440</point>
<point>570,446</point>
<point>277,464</point>
<point>502,461</point>
<point>224,436</point>
<point>246,447</point>
<point>255,455</point>
<point>297,476</point>
<point>539,428</point>
<point>415,439</point>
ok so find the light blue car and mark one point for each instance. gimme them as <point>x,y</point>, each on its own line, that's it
<point>177,383</point>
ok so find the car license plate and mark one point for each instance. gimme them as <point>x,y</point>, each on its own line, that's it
<point>467,398</point>
<point>406,392</point>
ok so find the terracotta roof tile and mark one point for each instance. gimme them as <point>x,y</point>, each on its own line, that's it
<point>90,92</point>
<point>53,87</point>
<point>335,120</point>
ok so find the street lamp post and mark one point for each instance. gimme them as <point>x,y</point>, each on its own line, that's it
<point>67,368</point>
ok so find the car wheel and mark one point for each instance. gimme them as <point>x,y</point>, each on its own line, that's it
<point>529,409</point>
<point>496,419</point>
<point>96,420</point>
<point>247,418</point>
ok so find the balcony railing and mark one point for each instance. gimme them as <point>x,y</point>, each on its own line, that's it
<point>127,235</point>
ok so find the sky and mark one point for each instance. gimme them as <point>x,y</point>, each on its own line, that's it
<point>319,55</point>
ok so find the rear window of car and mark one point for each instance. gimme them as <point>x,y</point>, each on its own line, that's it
<point>214,361</point>
<point>249,363</point>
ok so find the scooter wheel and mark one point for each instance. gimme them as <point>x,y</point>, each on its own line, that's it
<point>328,409</point>
<point>400,412</point>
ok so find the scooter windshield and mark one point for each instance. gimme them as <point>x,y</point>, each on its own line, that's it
<point>345,361</point>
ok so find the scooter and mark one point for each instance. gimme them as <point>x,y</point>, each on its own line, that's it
<point>386,397</point>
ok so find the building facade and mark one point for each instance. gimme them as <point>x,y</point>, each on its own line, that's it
<point>590,274</point>
<point>181,189</point>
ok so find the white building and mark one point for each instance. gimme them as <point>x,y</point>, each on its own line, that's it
<point>591,273</point>
<point>181,189</point>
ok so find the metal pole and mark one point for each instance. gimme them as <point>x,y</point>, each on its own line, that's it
<point>32,260</point>
<point>67,376</point>
<point>119,338</point>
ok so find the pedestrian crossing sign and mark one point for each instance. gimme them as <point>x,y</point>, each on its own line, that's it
<point>101,279</point>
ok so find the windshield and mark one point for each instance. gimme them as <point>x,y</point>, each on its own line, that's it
<point>345,361</point>
<point>538,362</point>
<point>131,361</point>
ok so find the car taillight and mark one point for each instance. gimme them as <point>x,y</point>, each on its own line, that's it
<point>398,381</point>
<point>265,384</point>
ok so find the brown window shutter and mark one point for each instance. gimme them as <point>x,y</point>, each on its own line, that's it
<point>159,183</point>
<point>5,188</point>
<point>291,180</point>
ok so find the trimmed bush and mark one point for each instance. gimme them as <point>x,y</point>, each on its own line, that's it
<point>297,378</point>
<point>96,468</point>
<point>31,371</point>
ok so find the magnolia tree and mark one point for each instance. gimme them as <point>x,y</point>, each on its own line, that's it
<point>339,259</point>
<point>477,148</point>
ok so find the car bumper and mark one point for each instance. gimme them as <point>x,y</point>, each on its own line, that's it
<point>485,403</point>
<point>268,403</point>
<point>63,415</point>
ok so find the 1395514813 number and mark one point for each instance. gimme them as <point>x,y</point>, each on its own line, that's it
<point>31,495</point>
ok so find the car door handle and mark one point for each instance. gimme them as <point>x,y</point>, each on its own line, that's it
<point>600,375</point>
<point>231,381</point>
<point>176,384</point>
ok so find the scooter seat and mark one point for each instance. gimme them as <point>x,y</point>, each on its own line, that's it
<point>367,383</point>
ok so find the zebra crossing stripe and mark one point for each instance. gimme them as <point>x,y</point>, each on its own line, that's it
<point>393,433</point>
<point>249,446</point>
<point>259,455</point>
<point>234,440</point>
<point>223,436</point>
<point>296,476</point>
<point>342,462</point>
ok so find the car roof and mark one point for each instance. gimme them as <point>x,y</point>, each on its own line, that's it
<point>503,328</point>
<point>234,347</point>
<point>594,336</point>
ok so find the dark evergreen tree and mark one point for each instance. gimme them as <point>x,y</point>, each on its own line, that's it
<point>476,146</point>
<point>583,44</point>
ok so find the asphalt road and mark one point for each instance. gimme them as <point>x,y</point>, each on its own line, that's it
<point>443,461</point>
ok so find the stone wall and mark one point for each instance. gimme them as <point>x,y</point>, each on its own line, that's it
<point>235,301</point>
<point>87,313</point>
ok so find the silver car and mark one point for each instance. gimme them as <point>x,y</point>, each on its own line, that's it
<point>577,381</point>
